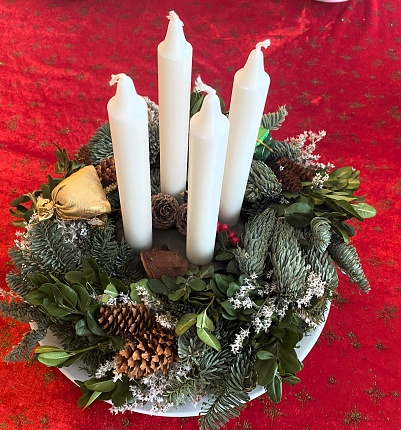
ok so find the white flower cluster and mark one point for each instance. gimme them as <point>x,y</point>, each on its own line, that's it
<point>104,368</point>
<point>315,286</point>
<point>241,299</point>
<point>236,346</point>
<point>167,320</point>
<point>147,299</point>
<point>120,299</point>
<point>263,318</point>
<point>306,143</point>
<point>75,231</point>
<point>318,180</point>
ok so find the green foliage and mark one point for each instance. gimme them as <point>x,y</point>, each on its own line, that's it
<point>321,232</point>
<point>284,149</point>
<point>274,120</point>
<point>100,144</point>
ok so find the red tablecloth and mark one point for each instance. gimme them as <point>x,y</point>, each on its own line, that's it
<point>335,66</point>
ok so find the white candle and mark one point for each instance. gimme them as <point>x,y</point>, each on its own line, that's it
<point>208,133</point>
<point>250,88</point>
<point>128,117</point>
<point>174,56</point>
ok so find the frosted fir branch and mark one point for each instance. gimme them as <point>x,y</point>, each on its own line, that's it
<point>148,300</point>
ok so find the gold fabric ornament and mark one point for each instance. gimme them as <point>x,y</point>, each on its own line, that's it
<point>80,196</point>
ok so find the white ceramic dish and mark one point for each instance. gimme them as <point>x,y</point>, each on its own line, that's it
<point>75,372</point>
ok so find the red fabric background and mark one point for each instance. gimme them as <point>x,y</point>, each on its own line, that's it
<point>335,66</point>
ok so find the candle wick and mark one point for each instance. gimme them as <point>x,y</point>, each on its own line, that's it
<point>115,78</point>
<point>172,15</point>
<point>201,87</point>
<point>265,44</point>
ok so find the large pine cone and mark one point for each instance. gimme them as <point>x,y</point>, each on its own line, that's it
<point>126,321</point>
<point>164,210</point>
<point>106,171</point>
<point>290,174</point>
<point>152,351</point>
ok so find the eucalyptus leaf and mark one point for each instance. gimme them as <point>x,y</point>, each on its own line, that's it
<point>365,210</point>
<point>92,398</point>
<point>185,322</point>
<point>203,321</point>
<point>208,338</point>
<point>266,369</point>
<point>157,286</point>
<point>35,297</point>
<point>274,389</point>
<point>197,284</point>
<point>298,214</point>
<point>103,386</point>
<point>92,323</point>
<point>54,359</point>
<point>176,295</point>
<point>265,355</point>
<point>41,349</point>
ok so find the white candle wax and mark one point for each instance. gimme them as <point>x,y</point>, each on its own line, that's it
<point>174,56</point>
<point>250,88</point>
<point>208,135</point>
<point>128,117</point>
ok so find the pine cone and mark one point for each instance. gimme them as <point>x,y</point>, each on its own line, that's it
<point>184,196</point>
<point>290,174</point>
<point>152,351</point>
<point>181,219</point>
<point>83,156</point>
<point>106,171</point>
<point>164,210</point>
<point>126,320</point>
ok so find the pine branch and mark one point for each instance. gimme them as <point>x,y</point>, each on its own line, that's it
<point>100,145</point>
<point>284,150</point>
<point>274,120</point>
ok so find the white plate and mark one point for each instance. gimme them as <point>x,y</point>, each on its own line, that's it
<point>75,372</point>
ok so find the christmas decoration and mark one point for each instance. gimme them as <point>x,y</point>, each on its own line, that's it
<point>153,323</point>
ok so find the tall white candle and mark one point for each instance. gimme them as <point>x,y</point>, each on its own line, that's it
<point>174,56</point>
<point>208,133</point>
<point>250,88</point>
<point>128,117</point>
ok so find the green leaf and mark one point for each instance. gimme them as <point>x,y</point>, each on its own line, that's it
<point>289,361</point>
<point>69,293</point>
<point>84,299</point>
<point>38,279</point>
<point>290,379</point>
<point>274,389</point>
<point>197,284</point>
<point>111,290</point>
<point>224,255</point>
<point>92,398</point>
<point>35,297</point>
<point>47,348</point>
<point>103,386</point>
<point>203,321</point>
<point>208,338</point>
<point>184,323</point>
<point>277,332</point>
<point>117,342</point>
<point>265,355</point>
<point>342,173</point>
<point>170,283</point>
<point>157,286</point>
<point>176,295</point>
<point>81,328</point>
<point>228,307</point>
<point>265,369</point>
<point>92,323</point>
<point>54,359</point>
<point>298,214</point>
<point>365,210</point>
<point>56,311</point>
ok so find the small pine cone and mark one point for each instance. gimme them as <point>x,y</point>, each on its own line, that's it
<point>151,351</point>
<point>184,196</point>
<point>164,211</point>
<point>288,174</point>
<point>106,171</point>
<point>83,156</point>
<point>181,219</point>
<point>126,320</point>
